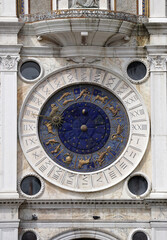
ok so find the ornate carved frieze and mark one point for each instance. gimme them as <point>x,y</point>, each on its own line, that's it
<point>9,63</point>
<point>157,63</point>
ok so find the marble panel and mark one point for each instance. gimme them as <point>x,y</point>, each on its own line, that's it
<point>40,5</point>
<point>128,6</point>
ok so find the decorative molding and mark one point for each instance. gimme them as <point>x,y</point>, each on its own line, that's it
<point>7,224</point>
<point>157,63</point>
<point>76,53</point>
<point>156,28</point>
<point>9,63</point>
<point>81,60</point>
<point>91,204</point>
<point>82,13</point>
<point>10,202</point>
<point>12,50</point>
<point>85,233</point>
<point>10,27</point>
<point>91,224</point>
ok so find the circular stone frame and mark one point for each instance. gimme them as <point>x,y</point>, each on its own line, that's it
<point>110,175</point>
<point>29,230</point>
<point>35,195</point>
<point>138,230</point>
<point>146,193</point>
<point>141,80</point>
<point>30,60</point>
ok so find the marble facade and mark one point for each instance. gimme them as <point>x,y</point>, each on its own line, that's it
<point>58,45</point>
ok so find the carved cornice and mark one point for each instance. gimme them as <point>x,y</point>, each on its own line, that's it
<point>10,202</point>
<point>155,28</point>
<point>9,63</point>
<point>77,53</point>
<point>147,203</point>
<point>10,27</point>
<point>13,50</point>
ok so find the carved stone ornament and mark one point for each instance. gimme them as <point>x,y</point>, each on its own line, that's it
<point>158,62</point>
<point>85,4</point>
<point>81,60</point>
<point>9,62</point>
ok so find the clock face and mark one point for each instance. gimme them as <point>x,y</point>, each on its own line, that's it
<point>83,129</point>
<point>91,131</point>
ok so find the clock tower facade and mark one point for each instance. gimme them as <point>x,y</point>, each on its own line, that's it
<point>83,133</point>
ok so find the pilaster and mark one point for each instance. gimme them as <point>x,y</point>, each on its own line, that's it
<point>8,145</point>
<point>157,9</point>
<point>158,74</point>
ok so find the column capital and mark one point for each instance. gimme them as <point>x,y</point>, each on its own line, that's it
<point>9,63</point>
<point>157,63</point>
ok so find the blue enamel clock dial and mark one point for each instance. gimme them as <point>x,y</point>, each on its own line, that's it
<point>83,128</point>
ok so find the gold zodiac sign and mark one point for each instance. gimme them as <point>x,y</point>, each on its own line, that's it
<point>83,93</point>
<point>83,162</point>
<point>113,110</point>
<point>54,117</point>
<point>54,110</point>
<point>101,99</point>
<point>67,101</point>
<point>64,95</point>
<point>57,149</point>
<point>102,155</point>
<point>51,141</point>
<point>118,135</point>
<point>49,127</point>
<point>68,158</point>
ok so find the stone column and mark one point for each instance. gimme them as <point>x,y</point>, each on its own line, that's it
<point>8,160</point>
<point>158,76</point>
<point>8,10</point>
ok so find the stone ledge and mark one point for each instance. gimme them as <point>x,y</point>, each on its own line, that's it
<point>147,203</point>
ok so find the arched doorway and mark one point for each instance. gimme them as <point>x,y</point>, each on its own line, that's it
<point>84,234</point>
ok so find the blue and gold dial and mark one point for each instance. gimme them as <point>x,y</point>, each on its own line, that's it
<point>83,128</point>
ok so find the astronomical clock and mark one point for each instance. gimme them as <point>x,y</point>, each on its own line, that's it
<point>83,128</point>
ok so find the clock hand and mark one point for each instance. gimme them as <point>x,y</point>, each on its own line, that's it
<point>46,117</point>
<point>56,119</point>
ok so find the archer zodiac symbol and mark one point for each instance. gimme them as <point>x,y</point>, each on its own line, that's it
<point>117,135</point>
<point>114,110</point>
<point>83,93</point>
<point>101,99</point>
<point>64,95</point>
<point>57,149</point>
<point>83,162</point>
<point>102,155</point>
<point>68,158</point>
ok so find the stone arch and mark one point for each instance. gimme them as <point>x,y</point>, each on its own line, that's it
<point>84,233</point>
